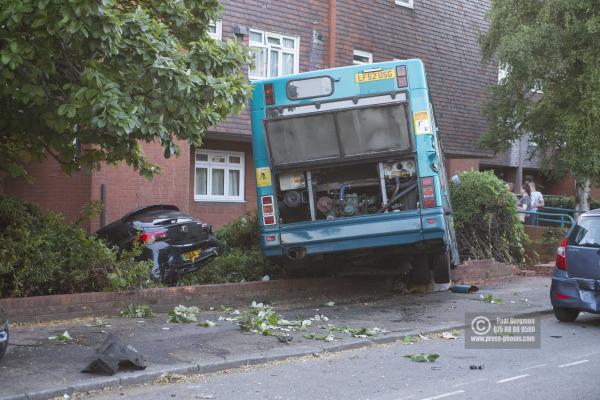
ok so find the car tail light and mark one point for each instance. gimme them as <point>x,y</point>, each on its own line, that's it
<point>268,210</point>
<point>561,255</point>
<point>401,76</point>
<point>270,238</point>
<point>151,237</point>
<point>561,296</point>
<point>428,192</point>
<point>269,94</point>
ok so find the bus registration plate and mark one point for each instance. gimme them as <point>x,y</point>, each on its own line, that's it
<point>375,76</point>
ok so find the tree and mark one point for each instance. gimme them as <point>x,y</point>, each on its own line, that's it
<point>550,53</point>
<point>86,81</point>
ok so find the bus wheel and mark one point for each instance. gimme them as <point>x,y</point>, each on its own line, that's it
<point>441,267</point>
<point>419,274</point>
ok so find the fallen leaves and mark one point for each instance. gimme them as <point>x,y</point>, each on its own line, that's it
<point>422,357</point>
<point>63,337</point>
<point>183,314</point>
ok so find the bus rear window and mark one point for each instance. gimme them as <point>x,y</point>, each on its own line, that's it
<point>336,135</point>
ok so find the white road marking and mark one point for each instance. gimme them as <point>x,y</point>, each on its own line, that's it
<point>469,383</point>
<point>441,396</point>
<point>514,378</point>
<point>573,363</point>
<point>533,367</point>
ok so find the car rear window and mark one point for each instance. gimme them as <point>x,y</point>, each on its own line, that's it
<point>586,232</point>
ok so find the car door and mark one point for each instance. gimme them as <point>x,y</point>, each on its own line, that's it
<point>583,249</point>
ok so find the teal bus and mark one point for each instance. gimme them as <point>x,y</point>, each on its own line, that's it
<point>349,168</point>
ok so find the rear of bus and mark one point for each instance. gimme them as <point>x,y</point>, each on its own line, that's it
<point>348,165</point>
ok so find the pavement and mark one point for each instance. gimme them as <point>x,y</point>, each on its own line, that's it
<point>564,367</point>
<point>38,368</point>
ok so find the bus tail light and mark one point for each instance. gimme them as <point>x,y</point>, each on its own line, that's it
<point>268,210</point>
<point>401,76</point>
<point>561,255</point>
<point>269,94</point>
<point>428,192</point>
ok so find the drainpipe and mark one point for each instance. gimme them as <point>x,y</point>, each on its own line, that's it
<point>332,33</point>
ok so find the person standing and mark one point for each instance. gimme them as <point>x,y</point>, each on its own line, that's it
<point>524,203</point>
<point>537,202</point>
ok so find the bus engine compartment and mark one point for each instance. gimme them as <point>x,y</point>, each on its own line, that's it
<point>342,191</point>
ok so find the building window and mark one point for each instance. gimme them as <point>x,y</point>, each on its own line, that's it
<point>273,54</point>
<point>362,57</point>
<point>405,3</point>
<point>215,29</point>
<point>219,176</point>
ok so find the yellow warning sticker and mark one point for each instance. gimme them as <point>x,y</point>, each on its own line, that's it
<point>263,176</point>
<point>422,123</point>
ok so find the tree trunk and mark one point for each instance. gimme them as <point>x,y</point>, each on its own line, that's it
<point>584,189</point>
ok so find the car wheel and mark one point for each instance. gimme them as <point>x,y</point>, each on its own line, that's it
<point>3,342</point>
<point>566,314</point>
<point>419,274</point>
<point>441,268</point>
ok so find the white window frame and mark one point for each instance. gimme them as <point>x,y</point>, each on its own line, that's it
<point>271,47</point>
<point>218,35</point>
<point>361,53</point>
<point>227,166</point>
<point>405,3</point>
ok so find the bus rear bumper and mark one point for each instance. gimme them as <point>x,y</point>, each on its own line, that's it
<point>350,234</point>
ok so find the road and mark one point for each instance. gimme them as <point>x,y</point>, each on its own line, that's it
<point>566,366</point>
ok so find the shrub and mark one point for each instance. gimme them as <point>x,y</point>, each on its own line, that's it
<point>485,218</point>
<point>41,254</point>
<point>240,259</point>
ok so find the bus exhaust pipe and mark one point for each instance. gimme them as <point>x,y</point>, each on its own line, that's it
<point>296,253</point>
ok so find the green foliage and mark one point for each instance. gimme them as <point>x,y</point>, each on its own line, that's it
<point>422,357</point>
<point>549,46</point>
<point>41,254</point>
<point>111,74</point>
<point>240,257</point>
<point>128,272</point>
<point>136,311</point>
<point>183,314</point>
<point>485,218</point>
<point>560,202</point>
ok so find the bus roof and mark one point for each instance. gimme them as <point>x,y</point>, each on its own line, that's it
<point>344,75</point>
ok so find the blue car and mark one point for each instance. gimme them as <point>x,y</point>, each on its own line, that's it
<point>576,282</point>
<point>3,333</point>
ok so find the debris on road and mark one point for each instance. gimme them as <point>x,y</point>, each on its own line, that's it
<point>488,298</point>
<point>330,304</point>
<point>410,339</point>
<point>208,324</point>
<point>112,355</point>
<point>357,333</point>
<point>422,357</point>
<point>136,311</point>
<point>99,323</point>
<point>183,314</point>
<point>480,367</point>
<point>454,334</point>
<point>423,337</point>
<point>464,289</point>
<point>63,337</point>
<point>317,336</point>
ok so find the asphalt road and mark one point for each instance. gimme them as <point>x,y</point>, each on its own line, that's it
<point>566,366</point>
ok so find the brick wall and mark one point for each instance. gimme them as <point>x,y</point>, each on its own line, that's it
<point>443,33</point>
<point>126,190</point>
<point>455,166</point>
<point>219,213</point>
<point>51,189</point>
<point>288,17</point>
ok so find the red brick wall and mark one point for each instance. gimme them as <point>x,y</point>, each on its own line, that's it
<point>457,165</point>
<point>442,33</point>
<point>51,189</point>
<point>126,190</point>
<point>218,213</point>
<point>288,17</point>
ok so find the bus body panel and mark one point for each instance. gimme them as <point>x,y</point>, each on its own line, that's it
<point>386,229</point>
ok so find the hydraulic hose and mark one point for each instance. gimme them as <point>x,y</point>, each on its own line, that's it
<point>397,197</point>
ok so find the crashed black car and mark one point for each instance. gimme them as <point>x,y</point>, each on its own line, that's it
<point>3,333</point>
<point>176,242</point>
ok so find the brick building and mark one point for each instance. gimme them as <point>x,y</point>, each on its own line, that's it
<point>216,182</point>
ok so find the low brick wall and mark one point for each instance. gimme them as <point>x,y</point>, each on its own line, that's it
<point>44,308</point>
<point>478,272</point>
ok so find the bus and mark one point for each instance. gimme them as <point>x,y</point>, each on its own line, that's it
<point>349,168</point>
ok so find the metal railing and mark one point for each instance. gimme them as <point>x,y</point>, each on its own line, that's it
<point>562,219</point>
